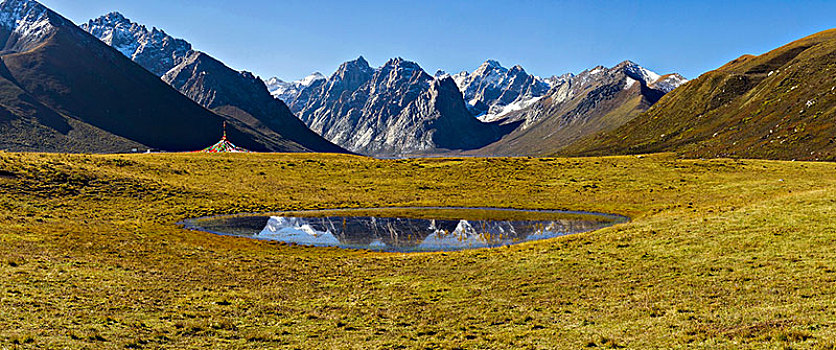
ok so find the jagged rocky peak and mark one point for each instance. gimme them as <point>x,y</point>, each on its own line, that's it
<point>630,73</point>
<point>666,83</point>
<point>401,71</point>
<point>111,20</point>
<point>638,72</point>
<point>350,75</point>
<point>493,90</point>
<point>669,82</point>
<point>399,68</point>
<point>289,92</point>
<point>400,62</point>
<point>490,65</point>
<point>153,49</point>
<point>558,79</point>
<point>357,64</point>
<point>595,70</point>
<point>15,13</point>
<point>357,67</point>
<point>29,23</point>
<point>396,109</point>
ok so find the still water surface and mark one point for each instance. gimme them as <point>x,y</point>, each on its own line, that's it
<point>401,234</point>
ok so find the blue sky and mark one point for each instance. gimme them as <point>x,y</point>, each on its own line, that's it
<point>291,38</point>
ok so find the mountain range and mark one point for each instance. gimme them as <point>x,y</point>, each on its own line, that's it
<point>506,111</point>
<point>241,97</point>
<point>594,101</point>
<point>137,88</point>
<point>112,85</point>
<point>394,110</point>
<point>493,90</point>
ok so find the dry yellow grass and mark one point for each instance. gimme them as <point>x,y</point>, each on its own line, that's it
<point>721,254</point>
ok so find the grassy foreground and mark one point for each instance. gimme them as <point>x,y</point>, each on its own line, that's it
<point>721,254</point>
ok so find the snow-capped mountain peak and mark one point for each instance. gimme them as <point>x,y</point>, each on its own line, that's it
<point>491,64</point>
<point>638,72</point>
<point>274,81</point>
<point>14,13</point>
<point>312,78</point>
<point>668,83</point>
<point>285,90</point>
<point>28,20</point>
<point>493,89</point>
<point>153,49</point>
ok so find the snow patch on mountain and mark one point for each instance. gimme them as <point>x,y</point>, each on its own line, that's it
<point>153,49</point>
<point>640,73</point>
<point>28,20</point>
<point>459,78</point>
<point>493,90</point>
<point>669,82</point>
<point>630,82</point>
<point>501,111</point>
<point>310,79</point>
<point>287,91</point>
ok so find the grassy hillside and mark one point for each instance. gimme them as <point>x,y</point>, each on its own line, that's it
<point>721,254</point>
<point>780,105</point>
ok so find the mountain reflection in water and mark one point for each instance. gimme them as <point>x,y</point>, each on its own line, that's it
<point>396,234</point>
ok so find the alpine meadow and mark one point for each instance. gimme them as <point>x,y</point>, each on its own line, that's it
<point>154,197</point>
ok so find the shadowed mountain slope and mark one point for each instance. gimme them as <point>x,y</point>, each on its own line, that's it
<point>241,97</point>
<point>64,90</point>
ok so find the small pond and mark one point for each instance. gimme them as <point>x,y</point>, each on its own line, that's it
<point>406,229</point>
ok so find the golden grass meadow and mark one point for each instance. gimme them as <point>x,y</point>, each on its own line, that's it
<point>720,254</point>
